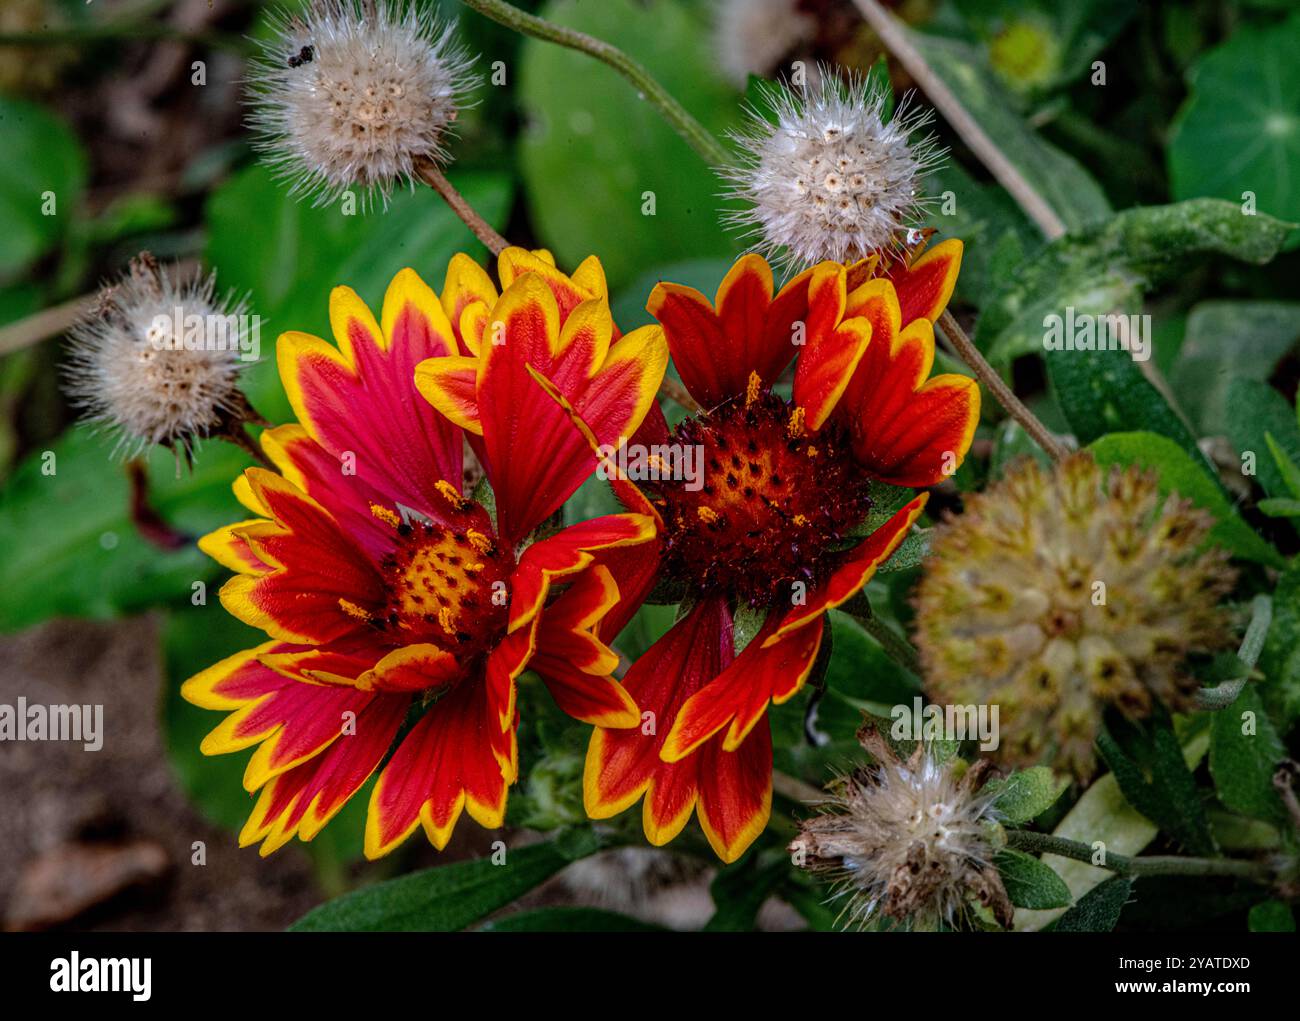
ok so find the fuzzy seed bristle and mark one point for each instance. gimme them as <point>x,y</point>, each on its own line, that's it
<point>357,94</point>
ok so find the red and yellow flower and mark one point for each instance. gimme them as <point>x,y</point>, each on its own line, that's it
<point>777,522</point>
<point>398,611</point>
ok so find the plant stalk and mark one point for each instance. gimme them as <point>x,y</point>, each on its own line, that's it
<point>1152,865</point>
<point>692,131</point>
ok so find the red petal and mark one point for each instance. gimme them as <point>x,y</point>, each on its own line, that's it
<point>738,697</point>
<point>925,287</point>
<point>444,765</point>
<point>735,797</point>
<point>623,765</point>
<point>301,801</point>
<point>855,570</point>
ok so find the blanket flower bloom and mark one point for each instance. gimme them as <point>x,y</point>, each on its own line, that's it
<point>399,612</point>
<point>777,524</point>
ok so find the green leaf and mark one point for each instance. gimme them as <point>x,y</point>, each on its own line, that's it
<point>1280,660</point>
<point>1245,750</point>
<point>1098,910</point>
<point>1279,507</point>
<point>569,920</point>
<point>1179,473</point>
<point>1030,883</point>
<point>1107,267</point>
<point>301,252</point>
<point>1058,178</point>
<point>447,898</point>
<point>1287,467</point>
<point>1160,785</point>
<point>43,162</point>
<point>1026,793</point>
<point>1225,341</point>
<point>1239,130</point>
<point>1255,411</point>
<point>595,148</point>
<point>71,547</point>
<point>1271,916</point>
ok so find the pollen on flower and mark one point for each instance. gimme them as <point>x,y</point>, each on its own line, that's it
<point>907,840</point>
<point>765,514</point>
<point>830,175</point>
<point>439,584</point>
<point>354,93</point>
<point>141,364</point>
<point>1058,593</point>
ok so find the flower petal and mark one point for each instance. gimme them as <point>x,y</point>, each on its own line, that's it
<point>353,399</point>
<point>624,765</point>
<point>735,792</point>
<point>300,801</point>
<point>855,570</point>
<point>322,579</point>
<point>738,697</point>
<point>567,552</point>
<point>925,287</point>
<point>443,766</point>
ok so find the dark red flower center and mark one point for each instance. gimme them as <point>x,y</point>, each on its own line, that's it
<point>773,504</point>
<point>446,587</point>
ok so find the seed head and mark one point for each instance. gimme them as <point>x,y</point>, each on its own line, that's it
<point>830,176</point>
<point>1057,593</point>
<point>907,840</point>
<point>130,372</point>
<point>356,93</point>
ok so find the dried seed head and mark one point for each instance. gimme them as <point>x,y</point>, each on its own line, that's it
<point>129,370</point>
<point>752,36</point>
<point>907,840</point>
<point>1057,593</point>
<point>356,93</point>
<point>829,177</point>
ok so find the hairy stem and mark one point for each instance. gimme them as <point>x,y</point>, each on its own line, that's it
<point>894,36</point>
<point>896,646</point>
<point>432,175</point>
<point>1152,865</point>
<point>1015,407</point>
<point>692,131</point>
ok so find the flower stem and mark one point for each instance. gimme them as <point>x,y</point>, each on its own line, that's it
<point>432,175</point>
<point>894,36</point>
<point>692,131</point>
<point>1152,865</point>
<point>897,647</point>
<point>1015,407</point>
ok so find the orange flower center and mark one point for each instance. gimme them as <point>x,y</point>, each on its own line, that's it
<point>773,505</point>
<point>446,587</point>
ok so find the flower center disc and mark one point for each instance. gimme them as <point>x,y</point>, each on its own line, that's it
<point>447,588</point>
<point>772,504</point>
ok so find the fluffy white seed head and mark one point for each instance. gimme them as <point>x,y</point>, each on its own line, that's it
<point>751,36</point>
<point>130,372</point>
<point>908,840</point>
<point>829,176</point>
<point>355,93</point>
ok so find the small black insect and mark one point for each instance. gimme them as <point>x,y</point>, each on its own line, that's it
<point>303,56</point>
